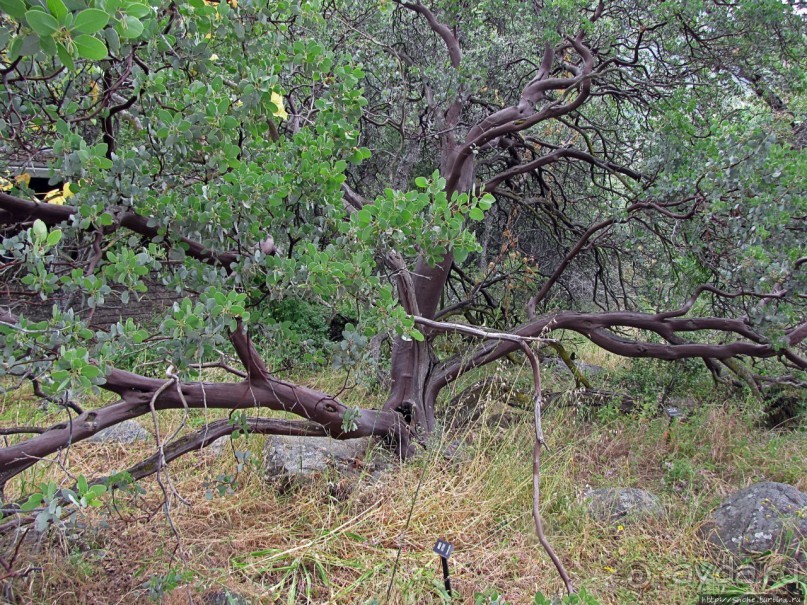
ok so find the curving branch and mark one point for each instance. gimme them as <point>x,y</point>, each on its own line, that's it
<point>722,294</point>
<point>598,327</point>
<point>525,114</point>
<point>52,214</point>
<point>524,343</point>
<point>554,156</point>
<point>140,395</point>
<point>442,30</point>
<point>596,228</point>
<point>195,441</point>
<point>217,429</point>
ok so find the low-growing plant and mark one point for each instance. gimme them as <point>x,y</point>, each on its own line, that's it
<point>159,585</point>
<point>50,500</point>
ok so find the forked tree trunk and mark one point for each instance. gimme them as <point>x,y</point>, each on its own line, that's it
<point>412,362</point>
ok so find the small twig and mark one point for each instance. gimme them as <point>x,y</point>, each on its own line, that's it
<point>17,430</point>
<point>525,344</point>
<point>444,326</point>
<point>221,365</point>
<point>161,465</point>
<point>65,402</point>
<point>536,469</point>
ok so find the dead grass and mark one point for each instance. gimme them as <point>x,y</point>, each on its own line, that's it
<point>337,541</point>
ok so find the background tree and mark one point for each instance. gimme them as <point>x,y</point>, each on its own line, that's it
<point>343,156</point>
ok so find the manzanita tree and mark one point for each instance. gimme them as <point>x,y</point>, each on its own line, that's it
<point>644,164</point>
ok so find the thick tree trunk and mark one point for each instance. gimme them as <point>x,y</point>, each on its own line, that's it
<point>412,362</point>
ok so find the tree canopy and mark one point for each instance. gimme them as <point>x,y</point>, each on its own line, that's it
<point>631,173</point>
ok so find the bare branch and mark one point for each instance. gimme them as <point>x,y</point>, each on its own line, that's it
<point>442,30</point>
<point>53,214</point>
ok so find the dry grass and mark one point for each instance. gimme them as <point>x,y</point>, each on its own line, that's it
<point>336,540</point>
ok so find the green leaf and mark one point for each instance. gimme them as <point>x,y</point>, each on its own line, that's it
<point>41,22</point>
<point>15,8</point>
<point>33,501</point>
<point>48,45</point>
<point>89,21</point>
<point>98,490</point>
<point>30,46</point>
<point>81,484</point>
<point>64,56</point>
<point>460,254</point>
<point>138,10</point>
<point>112,40</point>
<point>476,214</point>
<point>540,599</point>
<point>417,335</point>
<point>486,201</point>
<point>15,50</point>
<point>60,375</point>
<point>53,238</point>
<point>90,48</point>
<point>70,496</point>
<point>57,8</point>
<point>39,230</point>
<point>90,372</point>
<point>422,182</point>
<point>131,27</point>
<point>41,522</point>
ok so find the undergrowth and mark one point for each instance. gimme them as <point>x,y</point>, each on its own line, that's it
<point>337,539</point>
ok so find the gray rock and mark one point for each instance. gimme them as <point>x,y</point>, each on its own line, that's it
<point>216,448</point>
<point>455,451</point>
<point>224,597</point>
<point>680,408</point>
<point>557,364</point>
<point>503,420</point>
<point>764,517</point>
<point>126,432</point>
<point>297,457</point>
<point>589,369</point>
<point>612,504</point>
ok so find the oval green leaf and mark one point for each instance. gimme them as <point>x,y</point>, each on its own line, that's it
<point>15,8</point>
<point>41,22</point>
<point>138,10</point>
<point>476,214</point>
<point>89,21</point>
<point>112,40</point>
<point>40,230</point>
<point>33,501</point>
<point>57,8</point>
<point>90,372</point>
<point>64,56</point>
<point>54,237</point>
<point>90,48</point>
<point>48,45</point>
<point>130,27</point>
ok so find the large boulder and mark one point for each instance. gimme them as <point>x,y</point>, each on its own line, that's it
<point>297,457</point>
<point>611,504</point>
<point>764,517</point>
<point>126,432</point>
